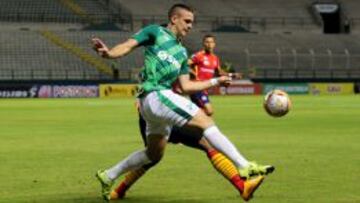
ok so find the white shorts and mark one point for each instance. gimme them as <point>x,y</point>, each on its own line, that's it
<point>164,109</point>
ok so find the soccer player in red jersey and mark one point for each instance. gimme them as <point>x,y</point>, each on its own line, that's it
<point>205,64</point>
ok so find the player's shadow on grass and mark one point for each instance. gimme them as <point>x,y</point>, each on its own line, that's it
<point>164,199</point>
<point>127,200</point>
<point>150,199</point>
<point>132,199</point>
<point>159,200</point>
<point>89,199</point>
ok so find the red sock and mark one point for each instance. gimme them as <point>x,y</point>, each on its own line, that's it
<point>225,167</point>
<point>129,180</point>
<point>121,190</point>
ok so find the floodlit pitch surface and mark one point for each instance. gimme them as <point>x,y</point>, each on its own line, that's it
<point>50,150</point>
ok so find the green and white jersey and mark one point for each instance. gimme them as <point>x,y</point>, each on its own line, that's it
<point>165,58</point>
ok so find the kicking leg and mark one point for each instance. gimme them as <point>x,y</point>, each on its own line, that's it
<point>223,165</point>
<point>217,139</point>
<point>220,142</point>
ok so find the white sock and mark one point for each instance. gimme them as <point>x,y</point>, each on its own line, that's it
<point>224,145</point>
<point>133,161</point>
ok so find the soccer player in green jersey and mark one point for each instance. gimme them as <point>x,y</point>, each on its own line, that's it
<point>165,63</point>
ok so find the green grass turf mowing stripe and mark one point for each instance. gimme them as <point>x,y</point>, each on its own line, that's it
<point>50,150</point>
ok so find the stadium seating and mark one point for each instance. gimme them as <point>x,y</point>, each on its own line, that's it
<point>351,8</point>
<point>285,43</point>
<point>33,11</point>
<point>92,7</point>
<point>256,15</point>
<point>52,11</point>
<point>82,39</point>
<point>351,12</point>
<point>242,50</point>
<point>253,8</point>
<point>297,51</point>
<point>27,55</point>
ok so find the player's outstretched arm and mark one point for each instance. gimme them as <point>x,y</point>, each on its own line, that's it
<point>188,86</point>
<point>232,75</point>
<point>221,71</point>
<point>116,52</point>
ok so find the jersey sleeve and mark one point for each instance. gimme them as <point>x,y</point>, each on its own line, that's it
<point>146,35</point>
<point>184,68</point>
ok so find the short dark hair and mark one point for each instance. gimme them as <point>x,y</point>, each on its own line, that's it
<point>173,9</point>
<point>208,36</point>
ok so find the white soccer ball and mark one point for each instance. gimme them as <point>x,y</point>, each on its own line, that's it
<point>277,103</point>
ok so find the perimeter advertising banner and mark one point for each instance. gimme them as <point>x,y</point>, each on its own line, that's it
<point>241,89</point>
<point>291,88</point>
<point>214,90</point>
<point>68,91</point>
<point>117,90</point>
<point>18,91</point>
<point>48,91</point>
<point>331,88</point>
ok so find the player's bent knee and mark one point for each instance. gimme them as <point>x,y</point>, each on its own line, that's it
<point>155,156</point>
<point>150,165</point>
<point>205,145</point>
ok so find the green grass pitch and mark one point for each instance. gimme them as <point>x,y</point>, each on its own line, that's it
<point>51,148</point>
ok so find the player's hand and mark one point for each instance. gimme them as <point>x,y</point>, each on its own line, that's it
<point>224,80</point>
<point>100,47</point>
<point>236,75</point>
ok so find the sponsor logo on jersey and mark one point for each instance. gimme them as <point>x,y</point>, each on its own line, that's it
<point>164,56</point>
<point>206,70</point>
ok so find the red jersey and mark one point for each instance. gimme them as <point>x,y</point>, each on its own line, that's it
<point>206,65</point>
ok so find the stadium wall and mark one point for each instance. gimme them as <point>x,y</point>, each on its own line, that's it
<point>115,89</point>
<point>52,89</point>
<point>357,88</point>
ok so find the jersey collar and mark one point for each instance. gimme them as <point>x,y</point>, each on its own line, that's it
<point>170,33</point>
